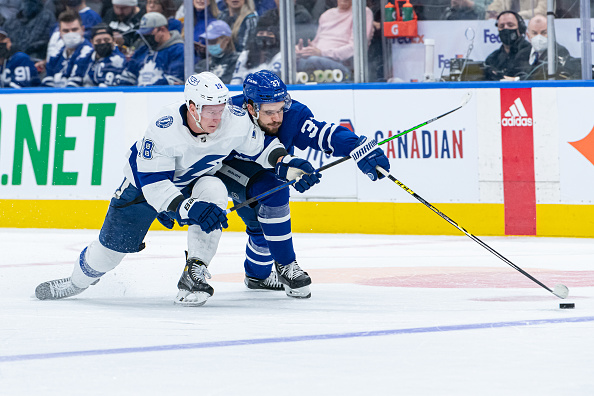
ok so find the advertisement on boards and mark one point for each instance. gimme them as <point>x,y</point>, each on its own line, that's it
<point>576,145</point>
<point>439,159</point>
<point>61,146</point>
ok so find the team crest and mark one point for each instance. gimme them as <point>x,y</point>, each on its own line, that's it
<point>164,122</point>
<point>193,80</point>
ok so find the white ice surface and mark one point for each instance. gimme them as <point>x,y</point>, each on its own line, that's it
<point>389,315</point>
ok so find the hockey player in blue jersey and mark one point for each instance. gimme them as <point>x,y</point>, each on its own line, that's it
<point>103,65</point>
<point>60,67</point>
<point>169,175</point>
<point>268,223</point>
<point>17,70</point>
<point>161,60</point>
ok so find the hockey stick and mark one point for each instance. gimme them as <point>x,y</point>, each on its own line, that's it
<point>559,290</point>
<point>465,100</point>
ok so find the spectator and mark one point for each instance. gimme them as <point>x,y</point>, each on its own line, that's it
<point>8,10</point>
<point>167,8</point>
<point>89,19</point>
<point>261,6</point>
<point>61,66</point>
<point>124,19</point>
<point>203,16</point>
<point>241,16</point>
<point>567,67</point>
<point>30,30</point>
<point>463,10</point>
<point>16,68</point>
<point>305,27</point>
<point>222,55</point>
<point>101,66</point>
<point>510,61</point>
<point>262,53</point>
<point>332,48</point>
<point>525,8</point>
<point>161,60</point>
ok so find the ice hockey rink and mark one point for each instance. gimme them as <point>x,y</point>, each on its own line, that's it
<point>389,315</point>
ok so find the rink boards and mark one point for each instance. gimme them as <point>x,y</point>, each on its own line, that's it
<point>518,159</point>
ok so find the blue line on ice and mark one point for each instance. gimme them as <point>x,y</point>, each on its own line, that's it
<point>315,337</point>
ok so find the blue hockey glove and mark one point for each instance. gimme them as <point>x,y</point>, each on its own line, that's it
<point>368,155</point>
<point>205,214</point>
<point>291,168</point>
<point>166,220</point>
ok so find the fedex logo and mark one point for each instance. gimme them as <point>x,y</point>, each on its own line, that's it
<point>489,37</point>
<point>442,61</point>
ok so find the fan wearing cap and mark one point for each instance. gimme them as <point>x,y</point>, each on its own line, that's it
<point>17,70</point>
<point>100,67</point>
<point>62,65</point>
<point>123,18</point>
<point>222,56</point>
<point>160,61</point>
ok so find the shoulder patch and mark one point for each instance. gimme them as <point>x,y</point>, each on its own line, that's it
<point>236,110</point>
<point>164,122</point>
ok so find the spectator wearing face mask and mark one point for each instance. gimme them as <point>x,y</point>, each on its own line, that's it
<point>62,65</point>
<point>566,67</point>
<point>160,61</point>
<point>88,17</point>
<point>221,50</point>
<point>510,61</point>
<point>30,29</point>
<point>102,66</point>
<point>16,68</point>
<point>262,53</point>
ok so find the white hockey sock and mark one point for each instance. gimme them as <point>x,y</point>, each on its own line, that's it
<point>202,246</point>
<point>94,261</point>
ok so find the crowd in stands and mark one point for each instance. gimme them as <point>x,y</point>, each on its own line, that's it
<point>76,43</point>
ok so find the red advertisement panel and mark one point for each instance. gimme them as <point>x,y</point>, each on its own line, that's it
<point>518,161</point>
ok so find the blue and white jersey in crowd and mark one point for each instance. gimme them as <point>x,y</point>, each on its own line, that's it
<point>162,67</point>
<point>300,129</point>
<point>241,70</point>
<point>60,67</point>
<point>93,72</point>
<point>169,157</point>
<point>18,71</point>
<point>89,19</point>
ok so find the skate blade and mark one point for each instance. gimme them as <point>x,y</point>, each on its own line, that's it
<point>188,299</point>
<point>301,292</point>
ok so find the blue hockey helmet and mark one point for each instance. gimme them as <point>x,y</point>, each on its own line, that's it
<point>265,86</point>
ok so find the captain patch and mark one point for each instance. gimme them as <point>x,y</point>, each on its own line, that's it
<point>164,122</point>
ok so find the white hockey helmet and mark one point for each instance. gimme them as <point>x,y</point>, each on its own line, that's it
<point>205,89</point>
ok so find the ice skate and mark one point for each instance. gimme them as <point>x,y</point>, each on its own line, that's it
<point>270,283</point>
<point>193,288</point>
<point>58,289</point>
<point>295,280</point>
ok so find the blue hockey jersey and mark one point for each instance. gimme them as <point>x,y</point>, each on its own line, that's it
<point>18,71</point>
<point>92,72</point>
<point>162,67</point>
<point>60,67</point>
<point>300,129</point>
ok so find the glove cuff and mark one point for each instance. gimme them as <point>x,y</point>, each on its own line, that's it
<point>363,150</point>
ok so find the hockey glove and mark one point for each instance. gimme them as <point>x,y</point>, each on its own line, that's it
<point>294,168</point>
<point>368,155</point>
<point>166,220</point>
<point>205,214</point>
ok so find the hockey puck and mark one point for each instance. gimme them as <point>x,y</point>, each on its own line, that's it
<point>567,305</point>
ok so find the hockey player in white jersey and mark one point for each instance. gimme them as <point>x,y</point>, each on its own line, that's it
<point>169,176</point>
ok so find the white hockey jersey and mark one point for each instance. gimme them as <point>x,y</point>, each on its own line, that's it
<point>169,157</point>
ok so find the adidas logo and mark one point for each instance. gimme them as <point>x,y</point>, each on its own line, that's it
<point>516,115</point>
